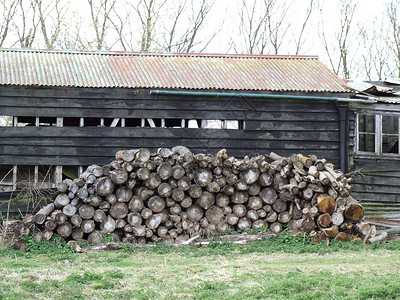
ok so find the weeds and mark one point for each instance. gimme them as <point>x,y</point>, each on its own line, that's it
<point>56,245</point>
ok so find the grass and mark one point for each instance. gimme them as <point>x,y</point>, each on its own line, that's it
<point>280,268</point>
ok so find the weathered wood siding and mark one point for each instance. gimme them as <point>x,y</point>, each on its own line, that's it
<point>281,126</point>
<point>378,187</point>
<point>377,184</point>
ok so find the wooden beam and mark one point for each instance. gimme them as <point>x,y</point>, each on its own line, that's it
<point>36,177</point>
<point>151,122</point>
<point>15,177</point>
<point>115,122</point>
<point>58,175</point>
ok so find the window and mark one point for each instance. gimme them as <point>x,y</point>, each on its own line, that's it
<point>378,134</point>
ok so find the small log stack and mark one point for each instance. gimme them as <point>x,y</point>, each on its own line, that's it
<point>174,194</point>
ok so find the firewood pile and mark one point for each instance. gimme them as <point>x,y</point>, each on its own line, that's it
<point>173,195</point>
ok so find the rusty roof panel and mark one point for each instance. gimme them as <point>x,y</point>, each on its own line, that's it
<point>167,71</point>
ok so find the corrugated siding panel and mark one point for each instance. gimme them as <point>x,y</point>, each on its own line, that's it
<point>169,71</point>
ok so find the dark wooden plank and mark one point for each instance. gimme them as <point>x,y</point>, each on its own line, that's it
<point>128,132</point>
<point>66,135</point>
<point>376,180</point>
<point>376,189</point>
<point>201,104</point>
<point>366,196</point>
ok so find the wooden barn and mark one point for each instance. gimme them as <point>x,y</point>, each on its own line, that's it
<point>375,156</point>
<point>64,110</point>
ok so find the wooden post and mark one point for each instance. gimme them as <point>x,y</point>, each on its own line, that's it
<point>36,177</point>
<point>122,122</point>
<point>81,122</point>
<point>15,121</point>
<point>58,175</point>
<point>14,180</point>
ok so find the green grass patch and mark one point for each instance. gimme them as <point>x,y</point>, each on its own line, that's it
<point>281,267</point>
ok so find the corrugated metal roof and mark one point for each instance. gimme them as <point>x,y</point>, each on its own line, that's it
<point>167,71</point>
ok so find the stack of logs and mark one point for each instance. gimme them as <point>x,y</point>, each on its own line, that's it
<point>174,194</point>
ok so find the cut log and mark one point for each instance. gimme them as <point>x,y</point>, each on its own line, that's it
<point>86,211</point>
<point>272,217</point>
<point>343,237</point>
<point>164,189</point>
<point>95,237</point>
<point>214,214</point>
<point>41,215</point>
<point>143,173</point>
<point>354,212</point>
<point>125,155</point>
<point>206,200</point>
<point>123,194</point>
<point>252,215</point>
<point>178,194</point>
<point>232,219</point>
<point>222,200</point>
<point>337,218</point>
<point>143,155</point>
<point>244,223</point>
<point>61,201</point>
<point>118,176</point>
<point>324,220</point>
<point>325,204</point>
<point>379,238</point>
<point>202,177</point>
<point>239,210</point>
<point>104,186</point>
<point>268,195</point>
<point>284,217</point>
<point>184,183</point>
<point>50,225</point>
<point>255,203</point>
<point>249,176</point>
<point>99,216</point>
<point>195,213</point>
<point>279,206</point>
<point>331,231</point>
<point>276,227</point>
<point>119,210</point>
<point>146,213</point>
<point>136,204</point>
<point>69,210</point>
<point>156,204</point>
<point>165,171</point>
<point>186,202</point>
<point>153,182</point>
<point>64,230</point>
<point>306,225</point>
<point>107,226</point>
<point>76,220</point>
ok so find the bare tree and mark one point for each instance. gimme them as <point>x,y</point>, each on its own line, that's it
<point>263,25</point>
<point>100,17</point>
<point>26,23</point>
<point>148,12</point>
<point>8,12</point>
<point>393,13</point>
<point>189,39</point>
<point>342,39</point>
<point>170,43</point>
<point>276,16</point>
<point>299,40</point>
<point>375,55</point>
<point>56,12</point>
<point>252,27</point>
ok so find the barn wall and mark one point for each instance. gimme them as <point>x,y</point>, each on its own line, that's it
<point>376,179</point>
<point>280,126</point>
